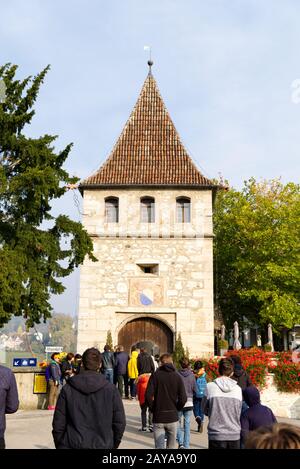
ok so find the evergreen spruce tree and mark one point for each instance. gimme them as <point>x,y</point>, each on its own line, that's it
<point>109,340</point>
<point>32,259</point>
<point>179,352</point>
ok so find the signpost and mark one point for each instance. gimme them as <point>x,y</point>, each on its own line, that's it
<point>39,383</point>
<point>19,362</point>
<point>52,349</point>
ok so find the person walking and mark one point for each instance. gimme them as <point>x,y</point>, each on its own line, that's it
<point>165,396</point>
<point>222,403</point>
<point>200,377</point>
<point>239,374</point>
<point>277,436</point>
<point>183,432</point>
<point>133,372</point>
<point>145,363</point>
<point>77,363</point>
<point>9,400</point>
<point>66,367</point>
<point>241,377</point>
<point>108,364</point>
<point>54,380</point>
<point>121,371</point>
<point>257,415</point>
<point>141,391</point>
<point>89,412</point>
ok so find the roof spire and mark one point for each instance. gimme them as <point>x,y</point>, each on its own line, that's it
<point>150,62</point>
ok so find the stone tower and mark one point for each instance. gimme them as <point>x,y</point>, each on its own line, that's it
<point>148,210</point>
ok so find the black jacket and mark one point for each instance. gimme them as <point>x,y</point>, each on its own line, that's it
<point>9,400</point>
<point>108,360</point>
<point>165,394</point>
<point>241,377</point>
<point>145,363</point>
<point>64,367</point>
<point>89,414</point>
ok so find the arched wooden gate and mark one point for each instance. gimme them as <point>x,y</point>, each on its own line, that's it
<point>146,332</point>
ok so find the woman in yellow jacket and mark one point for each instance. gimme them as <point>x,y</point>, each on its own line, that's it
<point>133,372</point>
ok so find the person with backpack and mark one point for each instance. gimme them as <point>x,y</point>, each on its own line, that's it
<point>53,373</point>
<point>89,412</point>
<point>200,377</point>
<point>183,431</point>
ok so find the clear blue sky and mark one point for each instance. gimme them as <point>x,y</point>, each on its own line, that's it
<point>224,68</point>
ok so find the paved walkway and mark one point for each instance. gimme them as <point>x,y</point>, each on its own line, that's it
<point>32,429</point>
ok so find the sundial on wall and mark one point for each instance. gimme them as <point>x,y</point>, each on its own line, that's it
<point>146,292</point>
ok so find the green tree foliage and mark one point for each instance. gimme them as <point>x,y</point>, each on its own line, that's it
<point>179,352</point>
<point>257,253</point>
<point>109,340</point>
<point>31,175</point>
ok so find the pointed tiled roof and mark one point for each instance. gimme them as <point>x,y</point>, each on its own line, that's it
<point>149,150</point>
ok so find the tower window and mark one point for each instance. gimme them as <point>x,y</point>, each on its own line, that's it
<point>183,210</point>
<point>112,210</point>
<point>149,268</point>
<point>147,210</point>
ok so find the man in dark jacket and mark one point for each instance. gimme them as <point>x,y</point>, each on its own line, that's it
<point>108,364</point>
<point>121,365</point>
<point>9,401</point>
<point>89,413</point>
<point>165,396</point>
<point>145,362</point>
<point>257,415</point>
<point>239,373</point>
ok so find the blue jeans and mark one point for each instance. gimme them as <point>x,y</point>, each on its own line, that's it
<point>132,387</point>
<point>162,431</point>
<point>183,432</point>
<point>109,375</point>
<point>197,401</point>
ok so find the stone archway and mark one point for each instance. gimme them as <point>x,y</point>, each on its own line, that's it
<point>150,333</point>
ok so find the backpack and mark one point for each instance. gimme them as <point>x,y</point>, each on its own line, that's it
<point>48,374</point>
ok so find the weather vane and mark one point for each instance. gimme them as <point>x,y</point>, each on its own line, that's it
<point>150,62</point>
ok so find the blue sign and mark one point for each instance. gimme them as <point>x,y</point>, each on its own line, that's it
<point>24,361</point>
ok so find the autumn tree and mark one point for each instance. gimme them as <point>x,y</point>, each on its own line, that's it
<point>257,253</point>
<point>32,259</point>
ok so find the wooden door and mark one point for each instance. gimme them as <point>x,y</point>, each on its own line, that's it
<point>144,332</point>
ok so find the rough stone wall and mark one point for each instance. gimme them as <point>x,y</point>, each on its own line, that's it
<point>283,404</point>
<point>183,288</point>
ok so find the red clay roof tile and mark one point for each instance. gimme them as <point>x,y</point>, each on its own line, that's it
<point>149,150</point>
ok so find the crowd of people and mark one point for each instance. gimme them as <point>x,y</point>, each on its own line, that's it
<point>86,394</point>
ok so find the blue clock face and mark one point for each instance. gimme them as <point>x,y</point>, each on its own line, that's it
<point>146,297</point>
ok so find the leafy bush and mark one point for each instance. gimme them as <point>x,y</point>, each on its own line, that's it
<point>257,363</point>
<point>268,348</point>
<point>287,376</point>
<point>222,344</point>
